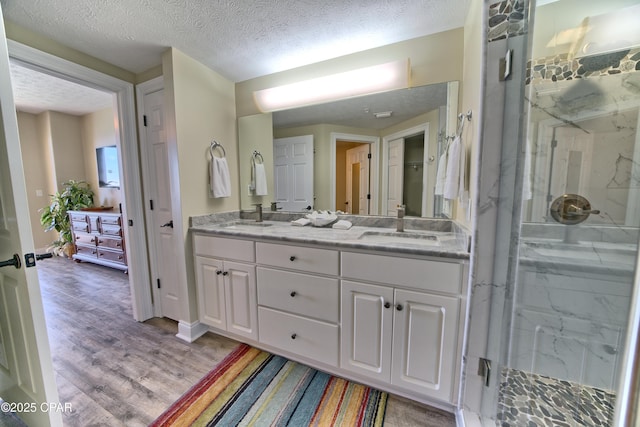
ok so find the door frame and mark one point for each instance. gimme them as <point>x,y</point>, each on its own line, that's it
<point>373,169</point>
<point>423,128</point>
<point>124,115</point>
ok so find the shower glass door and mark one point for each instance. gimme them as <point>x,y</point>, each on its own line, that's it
<point>563,320</point>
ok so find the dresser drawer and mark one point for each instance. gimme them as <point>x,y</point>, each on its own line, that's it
<point>85,239</point>
<point>80,226</point>
<point>109,242</point>
<point>88,251</point>
<point>298,258</point>
<point>111,230</point>
<point>306,337</point>
<point>112,256</point>
<point>113,220</point>
<point>413,273</point>
<point>304,294</point>
<point>221,247</point>
<point>77,217</point>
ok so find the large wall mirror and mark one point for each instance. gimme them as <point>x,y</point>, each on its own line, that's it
<point>367,154</point>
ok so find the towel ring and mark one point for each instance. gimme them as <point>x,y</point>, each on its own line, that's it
<point>257,155</point>
<point>215,144</point>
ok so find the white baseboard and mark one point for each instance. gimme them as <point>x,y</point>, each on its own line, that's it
<point>190,332</point>
<point>466,418</point>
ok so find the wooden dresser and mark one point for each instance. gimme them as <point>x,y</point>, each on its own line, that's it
<point>99,238</point>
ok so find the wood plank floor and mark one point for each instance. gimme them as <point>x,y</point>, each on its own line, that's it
<point>115,371</point>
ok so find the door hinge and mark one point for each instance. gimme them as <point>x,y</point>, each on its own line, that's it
<point>144,120</point>
<point>554,143</point>
<point>484,370</point>
<point>368,196</point>
<point>368,155</point>
<point>504,68</point>
<point>158,280</point>
<point>150,204</point>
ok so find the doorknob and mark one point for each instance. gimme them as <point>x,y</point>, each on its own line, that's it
<point>15,261</point>
<point>169,224</point>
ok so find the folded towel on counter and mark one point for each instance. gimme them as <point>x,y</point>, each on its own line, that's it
<point>342,224</point>
<point>261,179</point>
<point>219,177</point>
<point>301,222</point>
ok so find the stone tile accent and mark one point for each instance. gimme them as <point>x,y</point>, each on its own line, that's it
<point>535,401</point>
<point>507,19</point>
<point>560,67</point>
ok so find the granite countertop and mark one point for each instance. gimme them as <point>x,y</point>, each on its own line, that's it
<point>438,242</point>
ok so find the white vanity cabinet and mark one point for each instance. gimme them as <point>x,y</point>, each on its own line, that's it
<point>227,295</point>
<point>401,331</point>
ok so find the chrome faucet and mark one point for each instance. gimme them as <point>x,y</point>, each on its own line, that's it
<point>400,220</point>
<point>258,212</point>
<point>274,207</point>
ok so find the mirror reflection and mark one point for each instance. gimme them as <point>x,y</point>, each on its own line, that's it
<point>363,155</point>
<point>583,139</point>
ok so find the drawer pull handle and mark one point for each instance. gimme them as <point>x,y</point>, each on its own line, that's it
<point>292,258</point>
<point>399,307</point>
<point>218,272</point>
<point>226,273</point>
<point>293,336</point>
<point>387,304</point>
<point>293,294</point>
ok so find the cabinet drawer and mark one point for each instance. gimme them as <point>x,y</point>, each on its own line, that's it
<point>80,226</point>
<point>211,246</point>
<point>109,242</point>
<point>89,251</point>
<point>113,220</point>
<point>112,256</point>
<point>298,258</point>
<point>85,239</point>
<point>413,273</point>
<point>300,335</point>
<point>77,217</point>
<point>111,230</point>
<point>298,293</point>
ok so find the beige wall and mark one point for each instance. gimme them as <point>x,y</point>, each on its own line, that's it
<point>203,105</point>
<point>35,168</point>
<point>98,130</point>
<point>255,133</point>
<point>68,150</point>
<point>472,94</point>
<point>434,59</point>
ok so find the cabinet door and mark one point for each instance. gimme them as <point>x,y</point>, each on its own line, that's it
<point>366,329</point>
<point>424,343</point>
<point>241,299</point>
<point>209,279</point>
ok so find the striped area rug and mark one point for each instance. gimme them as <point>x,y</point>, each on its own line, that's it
<point>251,387</point>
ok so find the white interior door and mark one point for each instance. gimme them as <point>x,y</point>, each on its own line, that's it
<point>162,242</point>
<point>358,156</point>
<point>396,175</point>
<point>293,172</point>
<point>571,162</point>
<point>26,370</point>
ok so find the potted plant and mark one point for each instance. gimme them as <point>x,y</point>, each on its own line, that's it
<point>76,195</point>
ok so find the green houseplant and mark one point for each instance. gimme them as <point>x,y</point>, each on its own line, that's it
<point>76,195</point>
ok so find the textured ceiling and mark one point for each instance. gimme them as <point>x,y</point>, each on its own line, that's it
<point>35,92</point>
<point>240,39</point>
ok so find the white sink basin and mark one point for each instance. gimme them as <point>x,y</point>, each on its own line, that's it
<point>402,237</point>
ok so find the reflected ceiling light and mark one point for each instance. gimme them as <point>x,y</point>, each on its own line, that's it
<point>363,81</point>
<point>383,114</point>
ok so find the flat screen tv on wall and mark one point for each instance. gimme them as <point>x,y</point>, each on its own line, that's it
<point>108,172</point>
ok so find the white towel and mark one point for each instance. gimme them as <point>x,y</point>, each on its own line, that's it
<point>301,222</point>
<point>219,177</point>
<point>455,180</point>
<point>441,174</point>
<point>261,179</point>
<point>342,224</point>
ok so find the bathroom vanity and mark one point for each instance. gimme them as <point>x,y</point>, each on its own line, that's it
<point>369,304</point>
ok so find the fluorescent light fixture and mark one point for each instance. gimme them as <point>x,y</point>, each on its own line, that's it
<point>383,114</point>
<point>363,81</point>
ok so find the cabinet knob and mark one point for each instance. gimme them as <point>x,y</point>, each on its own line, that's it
<point>387,304</point>
<point>99,241</point>
<point>293,336</point>
<point>218,272</point>
<point>399,307</point>
<point>292,258</point>
<point>293,294</point>
<point>225,273</point>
